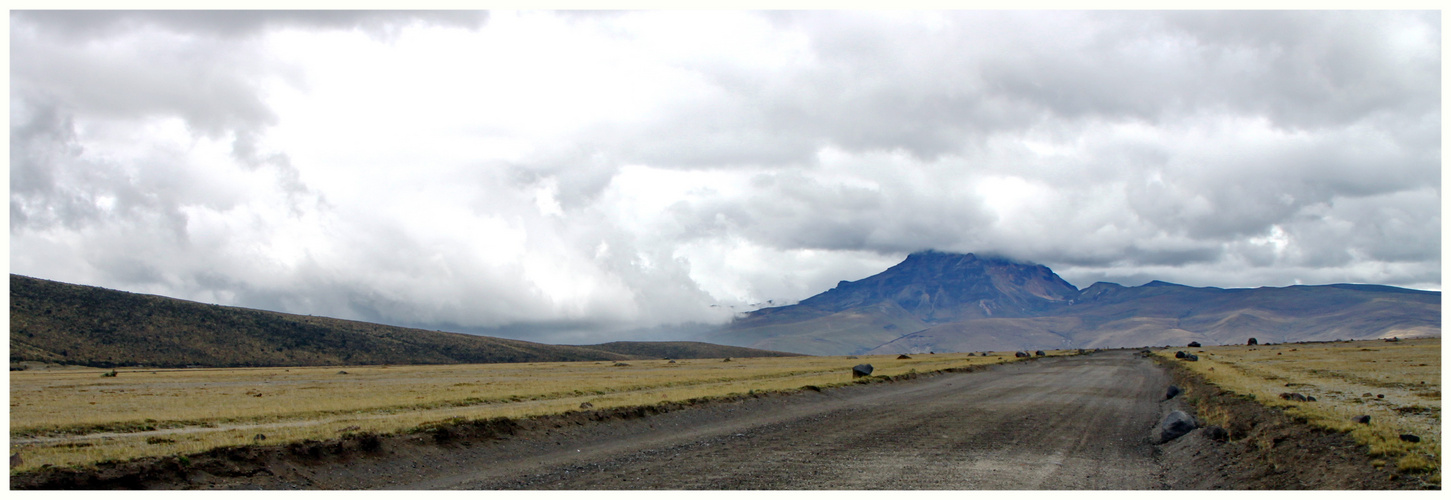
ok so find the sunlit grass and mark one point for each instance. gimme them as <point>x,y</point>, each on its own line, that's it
<point>1398,384</point>
<point>67,417</point>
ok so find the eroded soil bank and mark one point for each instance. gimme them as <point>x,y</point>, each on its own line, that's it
<point>1266,449</point>
<point>1078,422</point>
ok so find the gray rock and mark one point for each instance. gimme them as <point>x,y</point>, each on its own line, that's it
<point>1040,353</point>
<point>1253,341</point>
<point>1180,354</point>
<point>1195,344</point>
<point>1293,396</point>
<point>1410,438</point>
<point>1173,391</point>
<point>904,356</point>
<point>1020,354</point>
<point>1361,419</point>
<point>1191,357</point>
<point>860,371</point>
<point>586,405</point>
<point>1175,424</point>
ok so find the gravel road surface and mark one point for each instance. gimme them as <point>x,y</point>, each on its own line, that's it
<point>1078,422</point>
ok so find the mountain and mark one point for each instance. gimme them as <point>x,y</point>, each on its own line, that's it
<point>74,324</point>
<point>937,301</point>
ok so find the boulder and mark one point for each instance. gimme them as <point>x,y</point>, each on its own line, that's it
<point>1173,391</point>
<point>1361,419</point>
<point>1410,438</point>
<point>1194,344</point>
<point>1191,357</point>
<point>1040,353</point>
<point>1175,424</point>
<point>1180,354</point>
<point>1293,396</point>
<point>860,371</point>
<point>1020,354</point>
<point>586,405</point>
<point>904,356</point>
<point>1253,341</point>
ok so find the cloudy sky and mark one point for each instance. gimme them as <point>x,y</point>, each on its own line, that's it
<point>550,176</point>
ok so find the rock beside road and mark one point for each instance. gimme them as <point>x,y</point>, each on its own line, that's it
<point>860,371</point>
<point>1175,424</point>
<point>1174,390</point>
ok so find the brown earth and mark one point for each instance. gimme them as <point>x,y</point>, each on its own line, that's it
<point>1267,449</point>
<point>1077,422</point>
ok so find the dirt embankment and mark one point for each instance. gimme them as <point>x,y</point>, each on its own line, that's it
<point>1061,423</point>
<point>1265,449</point>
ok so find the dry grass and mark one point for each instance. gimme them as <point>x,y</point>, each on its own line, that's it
<point>76,416</point>
<point>1402,380</point>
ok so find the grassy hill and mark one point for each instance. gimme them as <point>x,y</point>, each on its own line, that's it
<point>683,350</point>
<point>73,324</point>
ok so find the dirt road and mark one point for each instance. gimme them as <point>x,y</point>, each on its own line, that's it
<point>1056,423</point>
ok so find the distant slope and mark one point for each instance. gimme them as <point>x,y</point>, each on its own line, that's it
<point>944,302</point>
<point>683,350</point>
<point>74,324</point>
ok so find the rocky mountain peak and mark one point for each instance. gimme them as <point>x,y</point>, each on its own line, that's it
<point>942,286</point>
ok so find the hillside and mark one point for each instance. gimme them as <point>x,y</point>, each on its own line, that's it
<point>683,350</point>
<point>73,324</point>
<point>936,301</point>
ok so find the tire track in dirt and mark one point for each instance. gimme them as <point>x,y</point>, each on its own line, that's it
<point>1057,423</point>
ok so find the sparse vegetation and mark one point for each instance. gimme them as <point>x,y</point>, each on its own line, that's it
<point>60,323</point>
<point>56,414</point>
<point>1397,384</point>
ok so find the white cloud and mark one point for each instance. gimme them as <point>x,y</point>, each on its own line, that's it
<point>590,172</point>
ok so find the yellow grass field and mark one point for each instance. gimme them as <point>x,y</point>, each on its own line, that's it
<point>1398,384</point>
<point>77,416</point>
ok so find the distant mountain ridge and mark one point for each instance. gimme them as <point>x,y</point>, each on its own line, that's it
<point>57,322</point>
<point>939,301</point>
